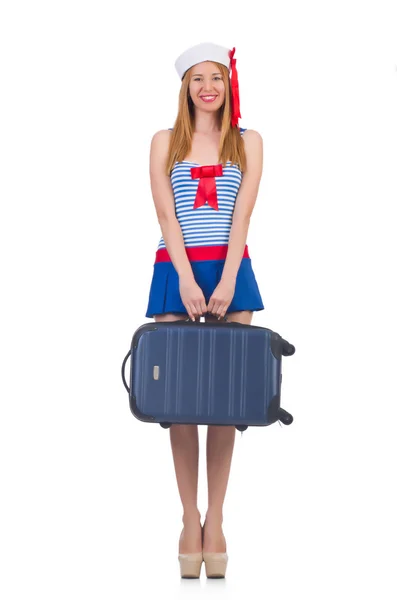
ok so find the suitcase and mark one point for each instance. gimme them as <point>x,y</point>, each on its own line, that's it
<point>206,373</point>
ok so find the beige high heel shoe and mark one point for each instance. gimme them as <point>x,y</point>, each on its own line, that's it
<point>215,563</point>
<point>190,564</point>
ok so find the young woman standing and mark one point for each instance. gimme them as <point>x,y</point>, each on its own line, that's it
<point>205,174</point>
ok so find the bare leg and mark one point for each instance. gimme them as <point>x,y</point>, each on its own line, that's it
<point>220,444</point>
<point>185,450</point>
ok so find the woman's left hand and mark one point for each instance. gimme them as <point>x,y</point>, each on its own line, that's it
<point>221,298</point>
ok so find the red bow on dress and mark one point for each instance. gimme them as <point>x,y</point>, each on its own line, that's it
<point>206,189</point>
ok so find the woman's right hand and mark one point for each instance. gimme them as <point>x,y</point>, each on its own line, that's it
<point>192,297</point>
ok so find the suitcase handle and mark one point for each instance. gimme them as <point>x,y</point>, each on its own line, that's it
<point>123,372</point>
<point>189,319</point>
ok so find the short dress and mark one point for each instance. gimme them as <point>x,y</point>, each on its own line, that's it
<point>205,217</point>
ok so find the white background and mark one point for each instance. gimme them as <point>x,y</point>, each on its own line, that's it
<point>89,501</point>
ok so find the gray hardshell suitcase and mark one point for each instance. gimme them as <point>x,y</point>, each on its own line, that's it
<point>208,373</point>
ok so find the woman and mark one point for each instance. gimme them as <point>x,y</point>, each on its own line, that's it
<point>205,176</point>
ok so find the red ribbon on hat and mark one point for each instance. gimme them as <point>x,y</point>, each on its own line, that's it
<point>206,189</point>
<point>235,90</point>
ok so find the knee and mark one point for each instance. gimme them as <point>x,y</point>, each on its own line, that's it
<point>221,428</point>
<point>184,428</point>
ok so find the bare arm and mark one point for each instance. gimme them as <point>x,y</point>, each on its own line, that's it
<point>244,204</point>
<point>164,204</point>
<point>191,294</point>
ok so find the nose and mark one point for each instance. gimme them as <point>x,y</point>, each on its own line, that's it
<point>207,86</point>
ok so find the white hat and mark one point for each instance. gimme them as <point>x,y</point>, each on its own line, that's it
<point>224,56</point>
<point>199,53</point>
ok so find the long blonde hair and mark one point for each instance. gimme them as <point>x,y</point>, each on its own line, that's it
<point>231,146</point>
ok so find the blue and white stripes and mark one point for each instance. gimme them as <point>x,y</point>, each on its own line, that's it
<point>204,226</point>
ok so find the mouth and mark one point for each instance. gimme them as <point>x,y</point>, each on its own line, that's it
<point>208,98</point>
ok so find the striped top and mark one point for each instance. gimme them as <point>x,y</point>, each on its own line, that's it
<point>204,226</point>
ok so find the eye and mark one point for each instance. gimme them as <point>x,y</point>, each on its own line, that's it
<point>198,78</point>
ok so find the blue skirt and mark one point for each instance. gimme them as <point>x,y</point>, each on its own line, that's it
<point>164,296</point>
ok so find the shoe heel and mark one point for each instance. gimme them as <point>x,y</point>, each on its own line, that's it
<point>190,565</point>
<point>215,564</point>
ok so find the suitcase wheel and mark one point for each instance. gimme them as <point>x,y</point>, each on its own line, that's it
<point>241,427</point>
<point>166,425</point>
<point>287,349</point>
<point>284,416</point>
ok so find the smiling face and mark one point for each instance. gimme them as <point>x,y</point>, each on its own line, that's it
<point>207,87</point>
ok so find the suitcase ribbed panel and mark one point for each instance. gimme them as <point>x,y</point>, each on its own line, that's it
<point>211,374</point>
